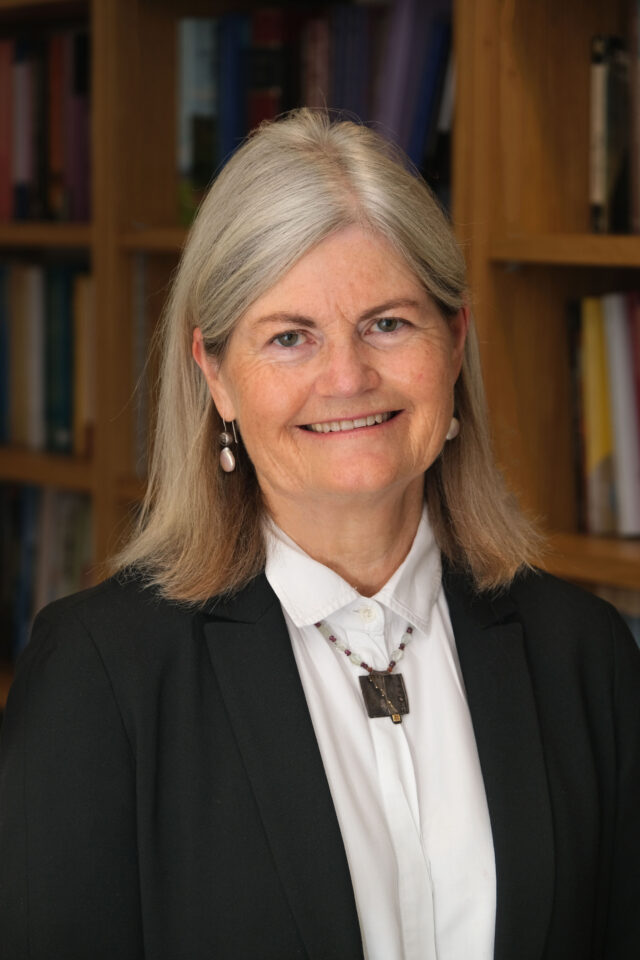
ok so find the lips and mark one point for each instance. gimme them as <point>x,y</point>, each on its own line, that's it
<point>345,426</point>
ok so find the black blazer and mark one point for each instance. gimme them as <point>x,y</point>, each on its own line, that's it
<point>162,793</point>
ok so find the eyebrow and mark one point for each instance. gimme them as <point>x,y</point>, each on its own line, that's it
<point>301,320</point>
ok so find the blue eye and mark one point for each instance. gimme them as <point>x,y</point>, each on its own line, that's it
<point>389,324</point>
<point>292,338</point>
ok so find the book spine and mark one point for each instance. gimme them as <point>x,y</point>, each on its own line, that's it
<point>22,160</point>
<point>598,438</point>
<point>5,346</point>
<point>598,135</point>
<point>197,111</point>
<point>635,115</point>
<point>6,129</point>
<point>626,432</point>
<point>266,72</point>
<point>59,360</point>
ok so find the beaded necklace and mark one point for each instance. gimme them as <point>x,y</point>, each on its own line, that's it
<point>378,686</point>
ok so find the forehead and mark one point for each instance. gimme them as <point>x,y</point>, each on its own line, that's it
<point>351,268</point>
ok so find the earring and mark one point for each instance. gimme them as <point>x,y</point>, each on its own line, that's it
<point>454,428</point>
<point>227,459</point>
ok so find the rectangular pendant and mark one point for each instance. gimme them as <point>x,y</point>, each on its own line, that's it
<point>384,695</point>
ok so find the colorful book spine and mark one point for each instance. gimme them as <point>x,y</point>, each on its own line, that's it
<point>626,429</point>
<point>197,110</point>
<point>598,434</point>
<point>266,65</point>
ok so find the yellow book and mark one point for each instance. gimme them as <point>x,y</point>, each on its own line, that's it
<point>598,433</point>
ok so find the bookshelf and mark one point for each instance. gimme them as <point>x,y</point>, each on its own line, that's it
<point>520,209</point>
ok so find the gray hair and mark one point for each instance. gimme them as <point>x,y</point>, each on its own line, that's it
<point>293,183</point>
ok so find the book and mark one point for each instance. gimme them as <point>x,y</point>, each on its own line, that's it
<point>84,400</point>
<point>315,64</point>
<point>59,378</point>
<point>197,110</point>
<point>634,100</point>
<point>598,434</point>
<point>5,346</point>
<point>76,123</point>
<point>626,427</point>
<point>22,138</point>
<point>266,65</point>
<point>6,128</point>
<point>233,80</point>
<point>609,137</point>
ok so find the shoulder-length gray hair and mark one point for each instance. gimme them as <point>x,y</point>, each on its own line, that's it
<point>292,184</point>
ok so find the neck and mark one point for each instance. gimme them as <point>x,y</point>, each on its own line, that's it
<point>364,543</point>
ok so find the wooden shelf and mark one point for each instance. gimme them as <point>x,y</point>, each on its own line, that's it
<point>595,560</point>
<point>48,235</point>
<point>55,470</point>
<point>568,249</point>
<point>157,240</point>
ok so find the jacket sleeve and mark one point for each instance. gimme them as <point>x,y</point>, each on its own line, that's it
<point>68,867</point>
<point>623,929</point>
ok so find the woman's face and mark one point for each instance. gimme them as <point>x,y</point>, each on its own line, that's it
<point>340,377</point>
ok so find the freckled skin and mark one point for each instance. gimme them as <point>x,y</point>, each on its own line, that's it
<point>338,365</point>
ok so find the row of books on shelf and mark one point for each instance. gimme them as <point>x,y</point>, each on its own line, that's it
<point>614,148</point>
<point>47,357</point>
<point>45,553</point>
<point>604,337</point>
<point>387,64</point>
<point>44,124</point>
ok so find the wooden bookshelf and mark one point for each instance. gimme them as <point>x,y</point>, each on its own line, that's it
<point>56,470</point>
<point>68,236</point>
<point>520,209</point>
<point>567,249</point>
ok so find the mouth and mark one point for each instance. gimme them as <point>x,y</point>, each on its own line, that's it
<point>346,426</point>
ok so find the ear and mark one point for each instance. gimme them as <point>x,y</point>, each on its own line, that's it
<point>459,327</point>
<point>212,371</point>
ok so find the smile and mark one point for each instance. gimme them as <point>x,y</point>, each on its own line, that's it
<point>344,426</point>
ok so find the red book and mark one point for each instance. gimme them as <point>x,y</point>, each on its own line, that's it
<point>6,129</point>
<point>266,76</point>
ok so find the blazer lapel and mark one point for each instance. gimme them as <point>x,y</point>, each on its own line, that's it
<point>251,654</point>
<point>501,701</point>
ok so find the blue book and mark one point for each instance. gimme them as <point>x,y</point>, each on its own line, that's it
<point>59,376</point>
<point>4,353</point>
<point>430,90</point>
<point>29,506</point>
<point>234,37</point>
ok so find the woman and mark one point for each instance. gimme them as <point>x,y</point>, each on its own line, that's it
<point>192,767</point>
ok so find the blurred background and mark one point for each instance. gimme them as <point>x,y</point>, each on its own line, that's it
<point>522,115</point>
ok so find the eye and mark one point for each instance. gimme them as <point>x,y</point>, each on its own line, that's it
<point>388,324</point>
<point>291,338</point>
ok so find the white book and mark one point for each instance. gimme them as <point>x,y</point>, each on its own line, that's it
<point>626,430</point>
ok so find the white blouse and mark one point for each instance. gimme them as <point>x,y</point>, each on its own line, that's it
<point>409,797</point>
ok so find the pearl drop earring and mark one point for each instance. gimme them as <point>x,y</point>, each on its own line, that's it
<point>454,428</point>
<point>227,459</point>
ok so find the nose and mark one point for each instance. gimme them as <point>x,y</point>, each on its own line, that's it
<point>346,370</point>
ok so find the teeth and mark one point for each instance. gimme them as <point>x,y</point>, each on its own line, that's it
<point>339,426</point>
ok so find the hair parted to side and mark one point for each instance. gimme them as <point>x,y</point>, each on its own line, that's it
<point>294,182</point>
